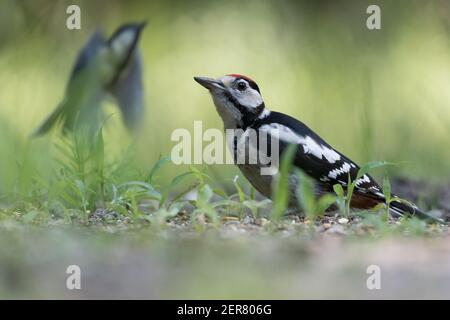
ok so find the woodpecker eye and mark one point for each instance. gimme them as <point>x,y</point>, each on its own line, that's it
<point>241,86</point>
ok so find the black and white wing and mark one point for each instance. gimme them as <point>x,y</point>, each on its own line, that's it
<point>329,167</point>
<point>317,158</point>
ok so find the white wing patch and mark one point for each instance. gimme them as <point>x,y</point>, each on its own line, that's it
<point>310,146</point>
<point>363,179</point>
<point>335,172</point>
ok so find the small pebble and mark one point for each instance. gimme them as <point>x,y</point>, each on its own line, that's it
<point>326,226</point>
<point>343,221</point>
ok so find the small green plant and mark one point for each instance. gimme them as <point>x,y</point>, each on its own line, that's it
<point>86,181</point>
<point>255,205</point>
<point>340,199</point>
<point>312,206</point>
<point>156,167</point>
<point>130,194</point>
<point>81,175</point>
<point>204,205</point>
<point>281,190</point>
<point>160,216</point>
<point>387,193</point>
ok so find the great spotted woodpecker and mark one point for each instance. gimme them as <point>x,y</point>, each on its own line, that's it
<point>103,66</point>
<point>240,105</point>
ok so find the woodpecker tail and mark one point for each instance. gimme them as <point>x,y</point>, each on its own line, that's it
<point>401,208</point>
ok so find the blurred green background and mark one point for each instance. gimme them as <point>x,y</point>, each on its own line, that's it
<point>374,95</point>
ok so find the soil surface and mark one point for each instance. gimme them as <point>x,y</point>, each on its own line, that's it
<point>240,257</point>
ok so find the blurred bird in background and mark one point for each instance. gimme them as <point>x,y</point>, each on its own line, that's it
<point>103,67</point>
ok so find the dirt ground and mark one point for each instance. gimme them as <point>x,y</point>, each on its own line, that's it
<point>231,263</point>
<point>241,258</point>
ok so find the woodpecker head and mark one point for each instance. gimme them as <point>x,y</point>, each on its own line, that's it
<point>123,42</point>
<point>236,97</point>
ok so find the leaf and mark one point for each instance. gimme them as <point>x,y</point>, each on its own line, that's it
<point>225,203</point>
<point>204,195</point>
<point>175,181</point>
<point>372,165</point>
<point>337,188</point>
<point>387,189</point>
<point>149,190</point>
<point>401,200</point>
<point>239,189</point>
<point>257,204</point>
<point>252,193</point>
<point>350,188</point>
<point>220,193</point>
<point>305,193</point>
<point>281,192</point>
<point>199,174</point>
<point>177,206</point>
<point>161,161</point>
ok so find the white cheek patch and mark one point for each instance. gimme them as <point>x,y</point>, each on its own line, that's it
<point>264,114</point>
<point>310,146</point>
<point>250,98</point>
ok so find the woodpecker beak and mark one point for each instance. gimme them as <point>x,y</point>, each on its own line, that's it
<point>210,83</point>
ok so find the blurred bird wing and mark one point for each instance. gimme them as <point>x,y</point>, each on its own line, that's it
<point>49,122</point>
<point>127,90</point>
<point>82,97</point>
<point>79,108</point>
<point>83,93</point>
<point>88,53</point>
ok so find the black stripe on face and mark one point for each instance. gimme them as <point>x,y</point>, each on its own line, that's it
<point>252,84</point>
<point>243,110</point>
<point>260,108</point>
<point>249,115</point>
